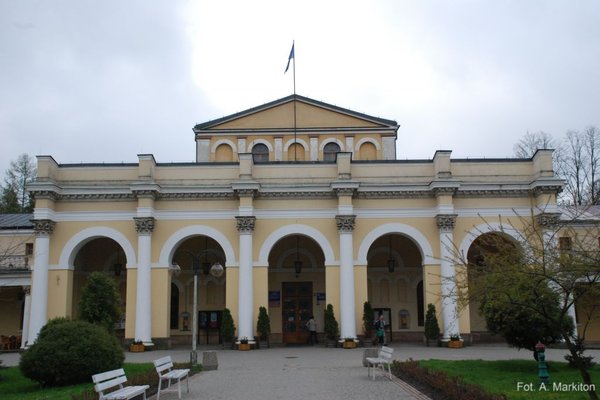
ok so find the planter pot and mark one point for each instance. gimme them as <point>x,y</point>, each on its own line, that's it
<point>244,346</point>
<point>456,344</point>
<point>349,345</point>
<point>136,348</point>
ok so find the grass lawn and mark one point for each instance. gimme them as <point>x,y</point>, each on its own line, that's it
<point>503,377</point>
<point>14,386</point>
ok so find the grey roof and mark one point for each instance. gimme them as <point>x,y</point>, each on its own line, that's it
<point>16,221</point>
<point>297,97</point>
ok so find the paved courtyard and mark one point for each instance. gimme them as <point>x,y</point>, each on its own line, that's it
<point>312,372</point>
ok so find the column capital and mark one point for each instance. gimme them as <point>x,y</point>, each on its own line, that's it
<point>345,223</point>
<point>144,225</point>
<point>446,222</point>
<point>548,220</point>
<point>245,224</point>
<point>43,227</point>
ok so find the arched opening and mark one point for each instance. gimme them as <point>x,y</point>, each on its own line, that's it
<point>296,288</point>
<point>100,255</point>
<point>367,151</point>
<point>224,153</point>
<point>395,285</point>
<point>260,152</point>
<point>198,255</point>
<point>482,252</point>
<point>296,152</point>
<point>330,151</point>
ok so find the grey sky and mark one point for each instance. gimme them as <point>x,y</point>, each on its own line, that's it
<point>94,81</point>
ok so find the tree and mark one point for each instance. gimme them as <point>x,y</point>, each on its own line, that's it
<point>330,325</point>
<point>532,142</point>
<point>536,277</point>
<point>9,202</point>
<point>100,301</point>
<point>263,325</point>
<point>432,328</point>
<point>227,326</point>
<point>21,172</point>
<point>367,319</point>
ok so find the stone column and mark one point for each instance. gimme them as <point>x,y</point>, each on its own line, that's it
<point>26,313</point>
<point>143,306</point>
<point>39,289</point>
<point>245,227</point>
<point>345,225</point>
<point>446,223</point>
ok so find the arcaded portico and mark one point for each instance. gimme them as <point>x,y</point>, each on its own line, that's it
<point>300,216</point>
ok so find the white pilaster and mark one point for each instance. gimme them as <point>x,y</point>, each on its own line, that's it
<point>345,224</point>
<point>314,148</point>
<point>245,226</point>
<point>350,145</point>
<point>445,224</point>
<point>202,150</point>
<point>278,149</point>
<point>39,287</point>
<point>143,307</point>
<point>26,313</point>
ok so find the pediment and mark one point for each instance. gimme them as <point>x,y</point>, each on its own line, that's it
<point>308,114</point>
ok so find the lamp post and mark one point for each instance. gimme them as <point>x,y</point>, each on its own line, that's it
<point>216,270</point>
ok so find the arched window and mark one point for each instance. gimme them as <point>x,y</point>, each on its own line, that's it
<point>224,152</point>
<point>260,152</point>
<point>330,151</point>
<point>296,152</point>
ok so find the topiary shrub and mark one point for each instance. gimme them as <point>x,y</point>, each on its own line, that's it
<point>68,352</point>
<point>100,301</point>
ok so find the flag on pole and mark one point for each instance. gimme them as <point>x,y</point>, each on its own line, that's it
<point>289,59</point>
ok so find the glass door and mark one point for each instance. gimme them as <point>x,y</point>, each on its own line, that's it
<point>297,309</point>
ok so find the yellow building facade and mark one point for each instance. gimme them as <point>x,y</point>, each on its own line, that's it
<point>303,203</point>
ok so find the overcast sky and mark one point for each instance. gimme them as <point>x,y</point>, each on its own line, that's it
<point>103,81</point>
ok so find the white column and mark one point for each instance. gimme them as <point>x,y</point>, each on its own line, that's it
<point>445,223</point>
<point>39,287</point>
<point>345,224</point>
<point>26,313</point>
<point>143,306</point>
<point>245,226</point>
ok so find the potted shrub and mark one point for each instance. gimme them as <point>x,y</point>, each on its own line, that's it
<point>136,347</point>
<point>368,321</point>
<point>227,329</point>
<point>432,328</point>
<point>330,326</point>
<point>244,344</point>
<point>455,342</point>
<point>263,326</point>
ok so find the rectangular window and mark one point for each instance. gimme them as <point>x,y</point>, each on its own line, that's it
<point>564,243</point>
<point>28,249</point>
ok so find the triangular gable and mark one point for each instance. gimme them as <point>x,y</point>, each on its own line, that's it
<point>309,114</point>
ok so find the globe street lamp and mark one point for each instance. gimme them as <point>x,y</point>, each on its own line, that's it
<point>215,270</point>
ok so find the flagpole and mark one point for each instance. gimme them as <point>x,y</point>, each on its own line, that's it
<point>294,73</point>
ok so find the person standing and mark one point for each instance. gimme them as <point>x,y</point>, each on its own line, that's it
<point>311,324</point>
<point>380,329</point>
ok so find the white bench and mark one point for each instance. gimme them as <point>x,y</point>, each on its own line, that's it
<point>111,379</point>
<point>383,359</point>
<point>165,371</point>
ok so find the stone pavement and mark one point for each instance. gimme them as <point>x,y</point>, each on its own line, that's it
<point>294,373</point>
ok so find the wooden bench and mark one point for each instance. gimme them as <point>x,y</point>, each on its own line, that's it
<point>165,371</point>
<point>383,359</point>
<point>110,380</point>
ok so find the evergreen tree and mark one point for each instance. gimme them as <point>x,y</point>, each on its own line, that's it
<point>100,301</point>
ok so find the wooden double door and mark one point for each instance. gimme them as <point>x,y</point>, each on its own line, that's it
<point>297,299</point>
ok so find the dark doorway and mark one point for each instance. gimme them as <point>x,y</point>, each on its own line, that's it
<point>297,309</point>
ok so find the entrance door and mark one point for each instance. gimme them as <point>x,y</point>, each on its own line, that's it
<point>297,309</point>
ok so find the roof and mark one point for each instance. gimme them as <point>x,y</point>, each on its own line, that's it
<point>290,98</point>
<point>16,221</point>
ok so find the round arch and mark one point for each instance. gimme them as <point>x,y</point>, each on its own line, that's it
<point>295,229</point>
<point>77,241</point>
<point>367,140</point>
<point>261,141</point>
<point>223,141</point>
<point>168,249</point>
<point>292,141</point>
<point>483,229</point>
<point>331,140</point>
<point>407,230</point>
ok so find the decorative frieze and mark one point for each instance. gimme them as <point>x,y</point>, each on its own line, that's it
<point>245,224</point>
<point>144,225</point>
<point>345,223</point>
<point>548,220</point>
<point>446,222</point>
<point>43,227</point>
